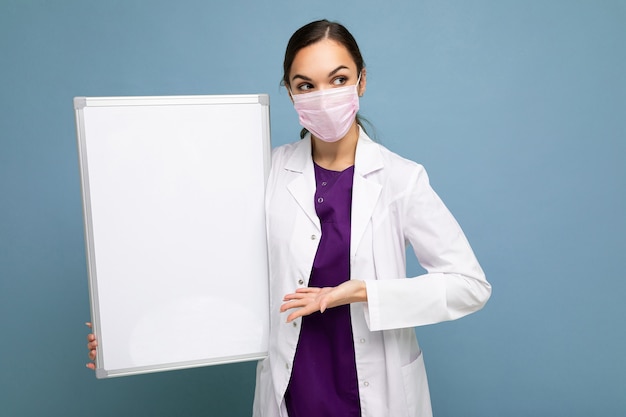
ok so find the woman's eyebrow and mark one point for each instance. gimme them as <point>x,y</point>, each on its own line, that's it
<point>304,77</point>
<point>330,74</point>
<point>340,67</point>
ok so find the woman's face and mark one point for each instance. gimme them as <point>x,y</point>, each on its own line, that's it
<point>322,65</point>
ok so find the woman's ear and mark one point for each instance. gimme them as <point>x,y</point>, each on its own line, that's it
<point>362,83</point>
<point>289,92</point>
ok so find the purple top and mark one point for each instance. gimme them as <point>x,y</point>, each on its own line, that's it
<point>323,379</point>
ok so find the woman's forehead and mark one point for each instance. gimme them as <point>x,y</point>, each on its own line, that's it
<point>321,58</point>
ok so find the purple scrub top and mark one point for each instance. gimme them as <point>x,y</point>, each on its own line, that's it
<point>324,379</point>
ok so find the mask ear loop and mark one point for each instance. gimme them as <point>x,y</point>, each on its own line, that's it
<point>358,82</point>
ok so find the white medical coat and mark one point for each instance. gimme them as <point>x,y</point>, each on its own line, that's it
<point>392,204</point>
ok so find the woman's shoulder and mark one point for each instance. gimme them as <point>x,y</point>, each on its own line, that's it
<point>401,177</point>
<point>285,150</point>
<point>394,164</point>
<point>400,161</point>
<point>293,155</point>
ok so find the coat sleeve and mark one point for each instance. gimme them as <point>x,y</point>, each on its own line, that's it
<point>454,285</point>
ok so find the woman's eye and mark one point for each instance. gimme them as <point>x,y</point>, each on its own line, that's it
<point>339,81</point>
<point>305,87</point>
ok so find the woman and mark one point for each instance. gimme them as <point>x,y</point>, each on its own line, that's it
<point>340,209</point>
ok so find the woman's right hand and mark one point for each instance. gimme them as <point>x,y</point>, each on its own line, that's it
<point>92,343</point>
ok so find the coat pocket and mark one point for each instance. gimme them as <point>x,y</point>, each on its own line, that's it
<point>416,388</point>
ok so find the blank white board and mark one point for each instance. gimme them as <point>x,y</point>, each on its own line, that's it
<point>173,196</point>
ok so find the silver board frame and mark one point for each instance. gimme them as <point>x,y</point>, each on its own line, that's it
<point>173,202</point>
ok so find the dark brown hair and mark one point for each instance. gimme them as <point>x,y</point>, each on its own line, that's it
<point>314,32</point>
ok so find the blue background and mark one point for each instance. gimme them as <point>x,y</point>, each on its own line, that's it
<point>516,108</point>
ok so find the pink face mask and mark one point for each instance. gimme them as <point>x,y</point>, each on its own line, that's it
<point>328,114</point>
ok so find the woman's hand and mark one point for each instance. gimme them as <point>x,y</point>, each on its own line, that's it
<point>309,300</point>
<point>92,343</point>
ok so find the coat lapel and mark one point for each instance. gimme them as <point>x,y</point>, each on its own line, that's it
<point>365,191</point>
<point>302,187</point>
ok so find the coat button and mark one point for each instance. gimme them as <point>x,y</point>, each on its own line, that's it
<point>366,384</point>
<point>294,324</point>
<point>301,281</point>
<point>361,340</point>
<point>313,237</point>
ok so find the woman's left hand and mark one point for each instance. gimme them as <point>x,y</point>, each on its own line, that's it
<point>311,299</point>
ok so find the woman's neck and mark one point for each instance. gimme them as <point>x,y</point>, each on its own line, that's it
<point>336,156</point>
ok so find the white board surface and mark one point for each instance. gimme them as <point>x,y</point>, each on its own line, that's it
<point>173,194</point>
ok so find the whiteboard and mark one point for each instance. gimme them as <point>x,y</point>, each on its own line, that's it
<point>173,198</point>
